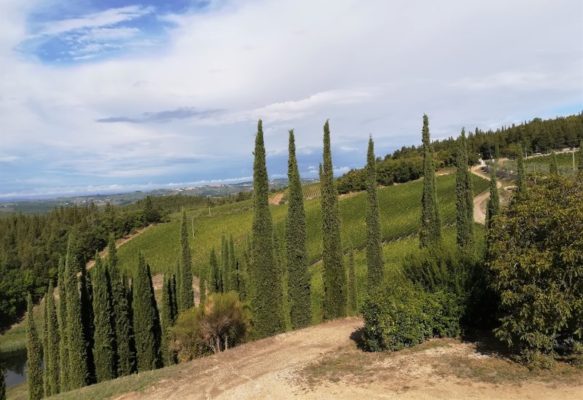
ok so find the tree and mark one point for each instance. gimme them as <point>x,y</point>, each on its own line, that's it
<point>104,347</point>
<point>493,208</point>
<point>554,166</point>
<point>2,384</point>
<point>112,258</point>
<point>580,158</point>
<point>374,251</point>
<point>52,344</point>
<point>225,267</point>
<point>186,295</point>
<point>146,319</point>
<point>167,320</point>
<point>268,297</point>
<point>430,232</point>
<point>334,274</point>
<point>34,356</point>
<point>87,317</point>
<point>63,340</point>
<point>296,251</point>
<point>202,285</point>
<point>214,273</point>
<point>464,196</point>
<point>233,281</point>
<point>78,372</point>
<point>352,292</point>
<point>521,184</point>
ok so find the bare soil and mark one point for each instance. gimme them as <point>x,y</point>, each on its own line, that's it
<point>323,362</point>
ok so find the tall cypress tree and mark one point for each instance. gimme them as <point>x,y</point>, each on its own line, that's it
<point>186,296</point>
<point>112,258</point>
<point>167,321</point>
<point>214,274</point>
<point>63,340</point>
<point>268,296</point>
<point>225,273</point>
<point>76,344</point>
<point>494,200</point>
<point>296,250</point>
<point>34,356</point>
<point>554,166</point>
<point>104,336</point>
<point>374,251</point>
<point>202,288</point>
<point>521,174</point>
<point>146,319</point>
<point>464,196</point>
<point>45,338</point>
<point>52,344</point>
<point>233,282</point>
<point>352,291</point>
<point>430,232</point>
<point>335,296</point>
<point>173,298</point>
<point>87,316</point>
<point>122,324</point>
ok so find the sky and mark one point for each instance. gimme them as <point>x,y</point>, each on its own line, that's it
<point>100,96</point>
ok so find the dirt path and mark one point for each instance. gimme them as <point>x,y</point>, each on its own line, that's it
<point>481,200</point>
<point>276,199</point>
<point>322,362</point>
<point>118,243</point>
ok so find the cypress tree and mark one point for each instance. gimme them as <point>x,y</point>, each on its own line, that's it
<point>494,200</point>
<point>76,344</point>
<point>173,298</point>
<point>63,340</point>
<point>104,336</point>
<point>374,251</point>
<point>45,338</point>
<point>352,305</point>
<point>87,316</point>
<point>464,196</point>
<point>202,284</point>
<point>214,274</point>
<point>430,232</point>
<point>179,277</point>
<point>112,258</point>
<point>186,300</point>
<point>268,296</point>
<point>52,344</point>
<point>146,319</point>
<point>34,356</point>
<point>296,250</point>
<point>233,285</point>
<point>167,321</point>
<point>335,296</point>
<point>225,273</point>
<point>554,166</point>
<point>521,174</point>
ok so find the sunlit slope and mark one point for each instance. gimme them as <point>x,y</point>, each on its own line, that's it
<point>400,214</point>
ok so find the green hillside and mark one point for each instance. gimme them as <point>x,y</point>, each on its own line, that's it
<point>400,213</point>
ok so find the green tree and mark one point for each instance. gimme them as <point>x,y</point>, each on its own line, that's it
<point>202,288</point>
<point>87,317</point>
<point>104,348</point>
<point>493,208</point>
<point>214,273</point>
<point>335,298</point>
<point>352,292</point>
<point>76,345</point>
<point>167,321</point>
<point>268,297</point>
<point>233,281</point>
<point>112,258</point>
<point>521,174</point>
<point>225,265</point>
<point>464,196</point>
<point>186,295</point>
<point>63,340</point>
<point>2,384</point>
<point>554,166</point>
<point>430,232</point>
<point>296,250</point>
<point>52,344</point>
<point>374,252</point>
<point>146,319</point>
<point>580,158</point>
<point>34,356</point>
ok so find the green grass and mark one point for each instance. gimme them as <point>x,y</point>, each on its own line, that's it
<point>400,211</point>
<point>541,165</point>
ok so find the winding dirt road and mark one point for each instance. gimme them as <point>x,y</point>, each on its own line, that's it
<point>481,200</point>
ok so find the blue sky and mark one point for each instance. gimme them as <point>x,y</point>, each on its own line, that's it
<point>102,96</point>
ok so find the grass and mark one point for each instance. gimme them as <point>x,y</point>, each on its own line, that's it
<point>541,165</point>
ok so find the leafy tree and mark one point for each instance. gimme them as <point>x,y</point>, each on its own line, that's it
<point>296,251</point>
<point>554,166</point>
<point>167,320</point>
<point>52,344</point>
<point>104,348</point>
<point>146,319</point>
<point>186,296</point>
<point>63,340</point>
<point>430,232</point>
<point>464,196</point>
<point>78,372</point>
<point>493,208</point>
<point>352,293</point>
<point>374,252</point>
<point>334,274</point>
<point>268,298</point>
<point>537,266</point>
<point>34,356</point>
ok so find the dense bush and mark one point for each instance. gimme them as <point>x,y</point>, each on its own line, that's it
<point>536,260</point>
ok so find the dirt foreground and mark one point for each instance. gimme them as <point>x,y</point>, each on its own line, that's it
<point>322,362</point>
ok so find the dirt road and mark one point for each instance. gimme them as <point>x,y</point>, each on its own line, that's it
<point>481,200</point>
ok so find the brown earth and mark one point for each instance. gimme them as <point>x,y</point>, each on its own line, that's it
<point>322,362</point>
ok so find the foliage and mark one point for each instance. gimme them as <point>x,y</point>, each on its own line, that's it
<point>334,274</point>
<point>374,254</point>
<point>537,266</point>
<point>430,231</point>
<point>268,296</point>
<point>167,320</point>
<point>296,250</point>
<point>185,294</point>
<point>352,291</point>
<point>63,340</point>
<point>52,344</point>
<point>34,356</point>
<point>104,348</point>
<point>493,207</point>
<point>2,384</point>
<point>464,195</point>
<point>521,182</point>
<point>222,323</point>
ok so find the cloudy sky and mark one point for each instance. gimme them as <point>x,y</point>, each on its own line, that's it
<point>114,95</point>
